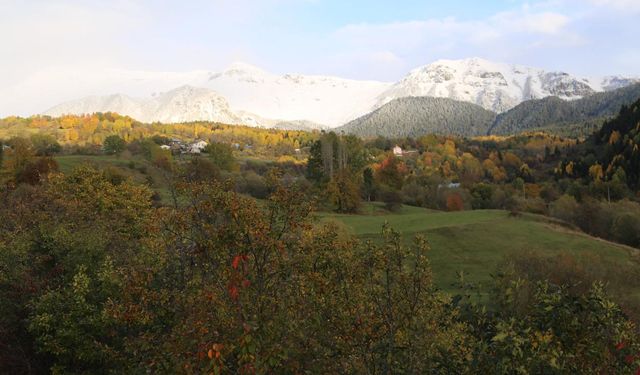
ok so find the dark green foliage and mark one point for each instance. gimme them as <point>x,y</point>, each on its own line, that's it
<point>368,183</point>
<point>481,196</point>
<point>416,116</point>
<point>392,199</point>
<point>552,113</point>
<point>315,170</point>
<point>114,145</point>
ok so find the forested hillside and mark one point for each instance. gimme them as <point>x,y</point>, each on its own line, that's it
<point>554,114</point>
<point>612,153</point>
<point>415,116</point>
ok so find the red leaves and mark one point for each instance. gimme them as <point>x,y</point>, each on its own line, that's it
<point>215,350</point>
<point>238,278</point>
<point>237,260</point>
<point>233,292</point>
<point>620,345</point>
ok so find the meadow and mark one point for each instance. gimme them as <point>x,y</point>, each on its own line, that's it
<point>478,242</point>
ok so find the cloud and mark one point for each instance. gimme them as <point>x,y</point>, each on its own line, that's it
<point>56,50</point>
<point>620,5</point>
<point>549,23</point>
<point>508,36</point>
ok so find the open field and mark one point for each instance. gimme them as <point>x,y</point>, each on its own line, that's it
<point>475,242</point>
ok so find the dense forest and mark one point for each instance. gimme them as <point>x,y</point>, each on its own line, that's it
<point>123,250</point>
<point>553,114</point>
<point>415,116</point>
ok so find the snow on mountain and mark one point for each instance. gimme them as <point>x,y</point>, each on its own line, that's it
<point>183,104</point>
<point>246,94</point>
<point>274,99</point>
<point>610,83</point>
<point>494,86</point>
<point>324,100</point>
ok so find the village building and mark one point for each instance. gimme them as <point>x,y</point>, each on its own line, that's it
<point>197,147</point>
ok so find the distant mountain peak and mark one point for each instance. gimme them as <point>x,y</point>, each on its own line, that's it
<point>492,85</point>
<point>329,101</point>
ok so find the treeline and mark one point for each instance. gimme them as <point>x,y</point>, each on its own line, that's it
<point>96,279</point>
<point>86,134</point>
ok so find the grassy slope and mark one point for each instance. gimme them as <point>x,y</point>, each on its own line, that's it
<point>477,241</point>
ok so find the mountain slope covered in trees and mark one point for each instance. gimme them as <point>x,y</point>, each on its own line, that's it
<point>553,113</point>
<point>611,155</point>
<point>414,116</point>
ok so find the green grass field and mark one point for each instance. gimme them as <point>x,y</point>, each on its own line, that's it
<point>476,242</point>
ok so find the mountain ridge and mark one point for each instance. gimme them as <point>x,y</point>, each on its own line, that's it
<point>414,116</point>
<point>262,98</point>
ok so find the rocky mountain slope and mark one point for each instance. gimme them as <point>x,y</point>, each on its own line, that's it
<point>183,104</point>
<point>495,86</point>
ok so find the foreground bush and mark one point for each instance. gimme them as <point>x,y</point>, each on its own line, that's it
<point>96,280</point>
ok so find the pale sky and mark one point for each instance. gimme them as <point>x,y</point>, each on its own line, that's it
<point>360,39</point>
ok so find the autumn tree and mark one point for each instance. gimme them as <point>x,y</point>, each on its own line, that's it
<point>343,191</point>
<point>20,156</point>
<point>391,171</point>
<point>454,202</point>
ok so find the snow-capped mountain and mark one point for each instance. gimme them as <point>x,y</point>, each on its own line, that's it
<point>494,86</point>
<point>325,100</point>
<point>249,95</point>
<point>183,104</point>
<point>611,83</point>
<point>253,95</point>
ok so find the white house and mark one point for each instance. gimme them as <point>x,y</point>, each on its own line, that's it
<point>165,147</point>
<point>197,147</point>
<point>397,151</point>
<point>450,185</point>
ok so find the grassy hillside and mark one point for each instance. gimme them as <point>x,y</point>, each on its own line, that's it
<point>477,241</point>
